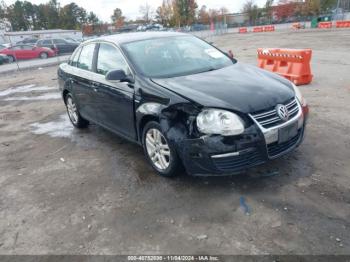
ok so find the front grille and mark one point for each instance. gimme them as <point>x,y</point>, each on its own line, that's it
<point>270,118</point>
<point>275,149</point>
<point>236,163</point>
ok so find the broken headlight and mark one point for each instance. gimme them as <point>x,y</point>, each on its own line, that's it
<point>219,122</point>
<point>299,95</point>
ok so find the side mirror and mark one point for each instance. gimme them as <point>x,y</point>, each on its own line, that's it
<point>118,75</point>
<point>230,54</point>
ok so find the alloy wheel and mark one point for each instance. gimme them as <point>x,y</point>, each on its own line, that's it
<point>158,149</point>
<point>72,110</point>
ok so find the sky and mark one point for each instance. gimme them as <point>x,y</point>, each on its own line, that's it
<point>130,8</point>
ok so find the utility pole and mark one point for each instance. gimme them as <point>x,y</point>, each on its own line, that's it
<point>337,10</point>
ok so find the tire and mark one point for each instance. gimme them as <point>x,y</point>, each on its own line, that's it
<point>74,116</point>
<point>11,59</point>
<point>43,55</point>
<point>160,150</point>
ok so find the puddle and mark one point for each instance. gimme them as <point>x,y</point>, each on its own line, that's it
<point>40,95</point>
<point>48,96</point>
<point>62,127</point>
<point>59,128</point>
<point>25,89</point>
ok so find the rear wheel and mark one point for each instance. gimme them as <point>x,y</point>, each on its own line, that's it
<point>73,113</point>
<point>43,55</point>
<point>11,59</point>
<point>159,153</point>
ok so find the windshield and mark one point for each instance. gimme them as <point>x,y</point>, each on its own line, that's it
<point>175,56</point>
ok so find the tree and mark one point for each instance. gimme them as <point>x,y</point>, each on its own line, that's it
<point>312,7</point>
<point>186,10</point>
<point>52,14</point>
<point>165,13</point>
<point>5,25</point>
<point>92,18</point>
<point>285,10</point>
<point>203,15</point>
<point>252,10</point>
<point>268,9</point>
<point>117,17</point>
<point>147,12</point>
<point>72,16</point>
<point>328,5</point>
<point>2,10</point>
<point>16,16</point>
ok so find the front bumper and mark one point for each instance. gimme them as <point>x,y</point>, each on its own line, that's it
<point>218,155</point>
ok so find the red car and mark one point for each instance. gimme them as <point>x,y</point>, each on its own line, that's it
<point>27,52</point>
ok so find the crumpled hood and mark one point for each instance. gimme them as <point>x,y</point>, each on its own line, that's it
<point>239,87</point>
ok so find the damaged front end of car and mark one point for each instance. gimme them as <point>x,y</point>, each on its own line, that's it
<point>226,154</point>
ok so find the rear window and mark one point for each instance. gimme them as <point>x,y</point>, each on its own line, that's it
<point>73,60</point>
<point>59,41</point>
<point>86,56</point>
<point>46,42</point>
<point>17,47</point>
<point>27,47</point>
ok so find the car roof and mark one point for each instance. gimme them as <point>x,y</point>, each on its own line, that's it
<point>133,37</point>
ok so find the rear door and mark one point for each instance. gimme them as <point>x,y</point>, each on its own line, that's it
<point>46,43</point>
<point>115,108</point>
<point>82,79</point>
<point>61,45</point>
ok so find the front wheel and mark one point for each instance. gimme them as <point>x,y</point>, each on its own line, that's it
<point>159,153</point>
<point>74,114</point>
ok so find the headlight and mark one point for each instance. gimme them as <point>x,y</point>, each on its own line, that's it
<point>300,97</point>
<point>219,122</point>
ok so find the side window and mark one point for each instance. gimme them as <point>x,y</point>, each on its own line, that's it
<point>110,58</point>
<point>86,56</point>
<point>17,47</point>
<point>46,42</point>
<point>73,60</point>
<point>59,41</point>
<point>27,47</point>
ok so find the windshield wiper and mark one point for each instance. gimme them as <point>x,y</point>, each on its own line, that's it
<point>207,70</point>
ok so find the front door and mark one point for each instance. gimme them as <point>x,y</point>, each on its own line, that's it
<point>115,100</point>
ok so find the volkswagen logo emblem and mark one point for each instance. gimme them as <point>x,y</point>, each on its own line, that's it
<point>282,112</point>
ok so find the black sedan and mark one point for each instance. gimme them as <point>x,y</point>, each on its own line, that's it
<point>59,45</point>
<point>187,103</point>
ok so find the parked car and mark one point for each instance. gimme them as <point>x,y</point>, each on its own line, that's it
<point>4,59</point>
<point>186,102</point>
<point>73,40</point>
<point>6,45</point>
<point>27,41</point>
<point>59,45</point>
<point>27,52</point>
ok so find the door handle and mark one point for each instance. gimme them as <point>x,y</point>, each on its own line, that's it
<point>95,86</point>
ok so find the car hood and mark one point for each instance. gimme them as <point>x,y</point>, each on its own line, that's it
<point>239,87</point>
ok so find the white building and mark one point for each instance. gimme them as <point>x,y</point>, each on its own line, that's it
<point>13,37</point>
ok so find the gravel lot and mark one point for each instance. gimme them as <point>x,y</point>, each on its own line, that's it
<point>65,191</point>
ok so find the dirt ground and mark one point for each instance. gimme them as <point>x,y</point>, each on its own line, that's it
<point>64,191</point>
